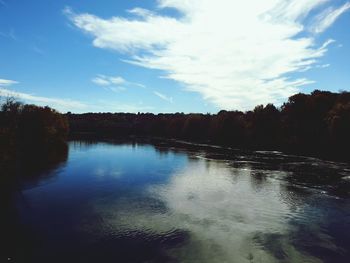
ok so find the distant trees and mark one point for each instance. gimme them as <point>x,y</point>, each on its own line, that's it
<point>317,124</point>
<point>29,131</point>
<point>41,126</point>
<point>338,124</point>
<point>228,128</point>
<point>264,124</point>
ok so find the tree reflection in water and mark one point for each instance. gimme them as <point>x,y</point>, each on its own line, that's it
<point>36,167</point>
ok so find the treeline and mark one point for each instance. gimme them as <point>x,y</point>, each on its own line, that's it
<point>315,124</point>
<point>30,135</point>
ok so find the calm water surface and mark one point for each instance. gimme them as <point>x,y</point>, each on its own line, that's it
<point>134,202</point>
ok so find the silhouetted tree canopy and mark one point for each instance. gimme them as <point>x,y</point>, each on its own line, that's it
<point>314,124</point>
<point>30,134</point>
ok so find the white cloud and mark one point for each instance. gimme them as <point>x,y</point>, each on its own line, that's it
<point>100,81</point>
<point>114,83</point>
<point>117,89</point>
<point>323,66</point>
<point>237,54</point>
<point>327,18</point>
<point>141,12</point>
<point>7,82</point>
<point>163,97</point>
<point>57,103</point>
<point>103,80</point>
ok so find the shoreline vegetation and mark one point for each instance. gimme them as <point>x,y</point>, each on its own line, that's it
<point>32,138</point>
<point>316,124</point>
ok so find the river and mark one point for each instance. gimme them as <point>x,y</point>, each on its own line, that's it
<point>144,202</point>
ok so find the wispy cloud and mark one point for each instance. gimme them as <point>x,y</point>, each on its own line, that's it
<point>141,12</point>
<point>235,53</point>
<point>38,50</point>
<point>115,83</point>
<point>103,80</point>
<point>117,89</point>
<point>325,19</point>
<point>65,105</point>
<point>11,34</point>
<point>323,66</point>
<point>163,97</point>
<point>57,103</point>
<point>7,82</point>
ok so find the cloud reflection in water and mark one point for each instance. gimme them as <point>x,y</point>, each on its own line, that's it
<point>224,212</point>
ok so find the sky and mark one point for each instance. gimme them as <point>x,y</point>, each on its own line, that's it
<point>171,55</point>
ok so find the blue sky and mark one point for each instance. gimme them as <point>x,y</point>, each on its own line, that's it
<point>171,55</point>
